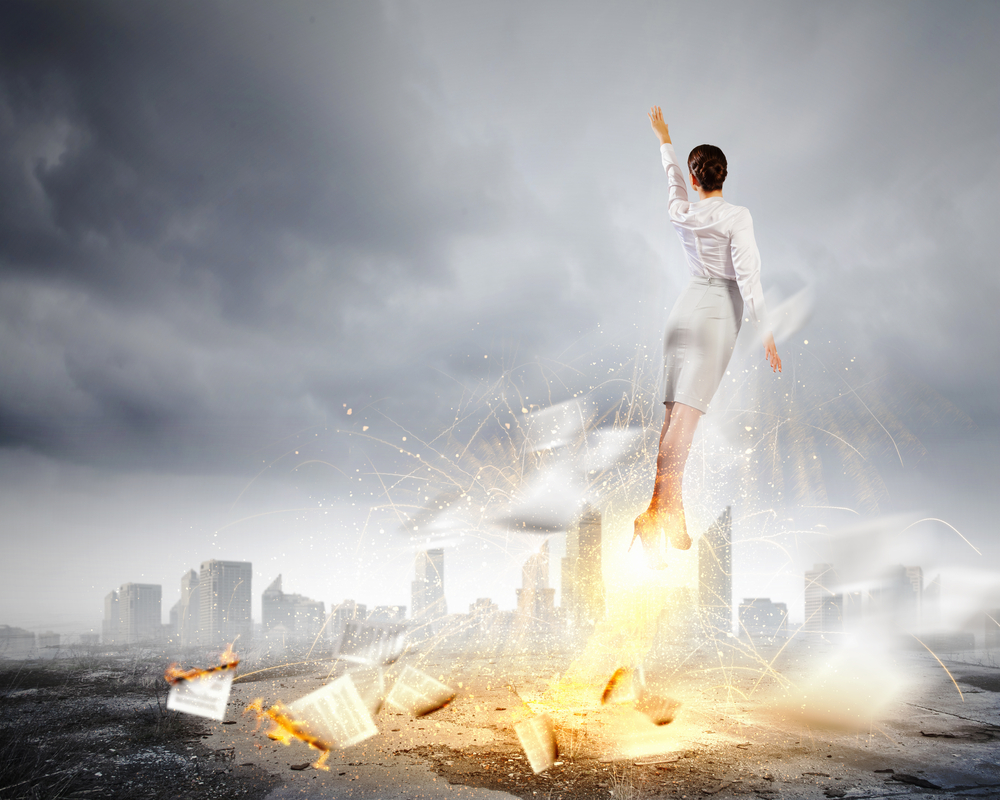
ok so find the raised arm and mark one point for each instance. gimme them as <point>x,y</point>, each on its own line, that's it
<point>677,201</point>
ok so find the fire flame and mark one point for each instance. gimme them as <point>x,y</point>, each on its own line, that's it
<point>285,729</point>
<point>227,660</point>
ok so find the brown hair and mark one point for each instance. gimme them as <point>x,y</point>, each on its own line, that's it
<point>708,164</point>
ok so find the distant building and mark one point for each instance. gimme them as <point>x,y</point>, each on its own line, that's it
<point>427,589</point>
<point>186,614</point>
<point>140,614</point>
<point>582,577</point>
<point>387,615</point>
<point>48,639</point>
<point>90,639</point>
<point>342,615</point>
<point>299,618</point>
<point>536,611</point>
<point>16,642</point>
<point>762,619</point>
<point>715,575</point>
<point>896,600</point>
<point>824,609</point>
<point>110,623</point>
<point>224,602</point>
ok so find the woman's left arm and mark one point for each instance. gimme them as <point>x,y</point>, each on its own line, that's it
<point>746,263</point>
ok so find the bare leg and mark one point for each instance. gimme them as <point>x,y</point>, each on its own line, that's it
<point>666,508</point>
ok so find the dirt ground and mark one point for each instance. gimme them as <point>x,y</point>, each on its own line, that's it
<point>764,727</point>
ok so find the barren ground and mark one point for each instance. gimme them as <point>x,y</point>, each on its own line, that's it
<point>77,729</point>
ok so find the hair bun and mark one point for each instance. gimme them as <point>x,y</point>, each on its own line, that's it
<point>708,164</point>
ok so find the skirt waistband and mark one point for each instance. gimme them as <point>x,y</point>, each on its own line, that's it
<point>711,280</point>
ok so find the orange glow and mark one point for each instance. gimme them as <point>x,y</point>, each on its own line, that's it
<point>284,729</point>
<point>227,660</point>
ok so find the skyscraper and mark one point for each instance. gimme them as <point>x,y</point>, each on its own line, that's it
<point>109,626</point>
<point>824,609</point>
<point>583,598</point>
<point>188,617</point>
<point>224,602</point>
<point>715,575</point>
<point>535,600</point>
<point>428,585</point>
<point>297,616</point>
<point>139,612</point>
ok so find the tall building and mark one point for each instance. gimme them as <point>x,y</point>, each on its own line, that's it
<point>824,609</point>
<point>224,602</point>
<point>583,597</point>
<point>715,575</point>
<point>342,615</point>
<point>110,624</point>
<point>185,614</point>
<point>428,585</point>
<point>298,617</point>
<point>536,611</point>
<point>139,612</point>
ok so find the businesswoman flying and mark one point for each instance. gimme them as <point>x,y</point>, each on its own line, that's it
<point>701,331</point>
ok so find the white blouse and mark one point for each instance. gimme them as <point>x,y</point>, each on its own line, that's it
<point>718,240</point>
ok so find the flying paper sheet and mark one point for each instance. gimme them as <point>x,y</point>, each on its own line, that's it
<point>335,713</point>
<point>203,696</point>
<point>417,693</point>
<point>538,738</point>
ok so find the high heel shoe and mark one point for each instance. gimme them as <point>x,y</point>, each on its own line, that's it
<point>654,558</point>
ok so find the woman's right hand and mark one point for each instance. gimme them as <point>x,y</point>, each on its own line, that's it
<point>659,126</point>
<point>771,352</point>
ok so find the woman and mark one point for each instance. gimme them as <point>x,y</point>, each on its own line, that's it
<point>701,330</point>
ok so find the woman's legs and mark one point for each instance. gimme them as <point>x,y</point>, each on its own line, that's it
<point>666,508</point>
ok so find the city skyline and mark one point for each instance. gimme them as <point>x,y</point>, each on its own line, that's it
<point>243,318</point>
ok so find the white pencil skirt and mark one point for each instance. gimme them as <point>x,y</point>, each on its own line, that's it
<point>701,334</point>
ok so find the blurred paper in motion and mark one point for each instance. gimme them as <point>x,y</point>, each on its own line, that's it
<point>538,738</point>
<point>204,696</point>
<point>336,713</point>
<point>417,693</point>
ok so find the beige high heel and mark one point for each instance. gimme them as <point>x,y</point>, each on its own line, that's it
<point>654,558</point>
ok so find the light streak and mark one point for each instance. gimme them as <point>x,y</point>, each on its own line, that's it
<point>942,667</point>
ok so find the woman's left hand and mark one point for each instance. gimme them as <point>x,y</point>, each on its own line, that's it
<point>771,352</point>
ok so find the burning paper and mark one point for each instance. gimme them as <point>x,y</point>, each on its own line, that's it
<point>336,713</point>
<point>417,693</point>
<point>202,692</point>
<point>538,739</point>
<point>619,688</point>
<point>285,728</point>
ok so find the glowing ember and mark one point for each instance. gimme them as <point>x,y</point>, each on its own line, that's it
<point>285,729</point>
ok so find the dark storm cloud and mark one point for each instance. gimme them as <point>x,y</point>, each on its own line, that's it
<point>221,217</point>
<point>181,180</point>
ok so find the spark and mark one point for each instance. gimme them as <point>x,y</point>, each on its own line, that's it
<point>942,667</point>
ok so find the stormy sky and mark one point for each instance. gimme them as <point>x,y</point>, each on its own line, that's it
<point>246,248</point>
